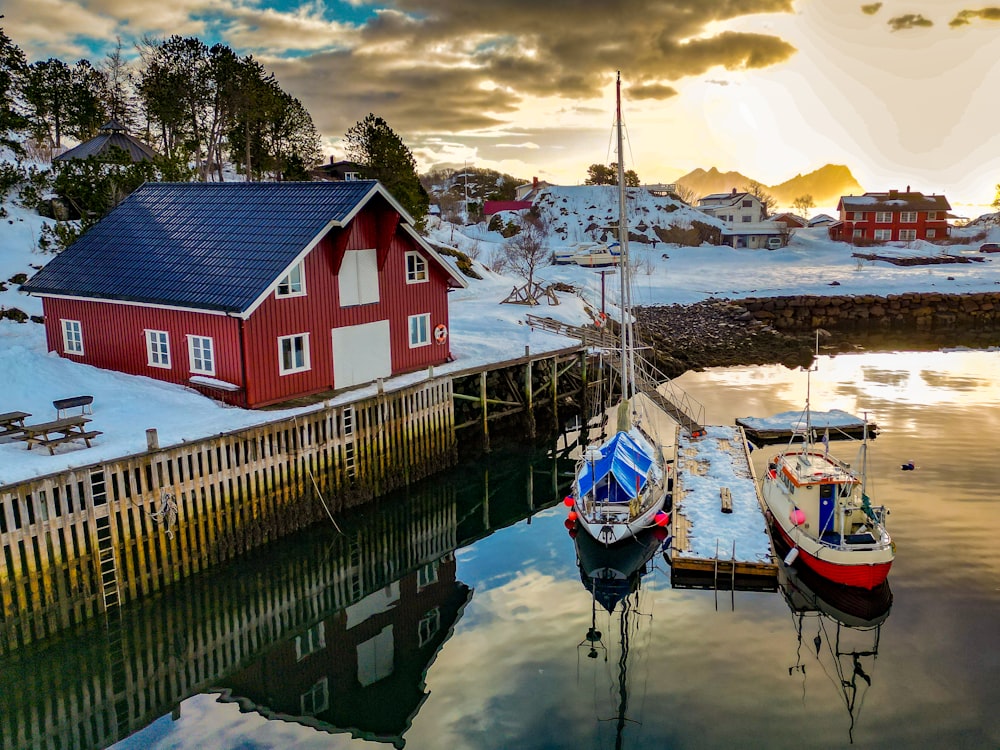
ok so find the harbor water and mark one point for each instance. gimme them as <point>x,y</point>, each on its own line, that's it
<point>463,614</point>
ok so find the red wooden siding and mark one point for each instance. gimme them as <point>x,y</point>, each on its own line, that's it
<point>114,338</point>
<point>319,312</point>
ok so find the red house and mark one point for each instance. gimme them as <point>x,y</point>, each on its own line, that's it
<point>896,215</point>
<point>252,293</point>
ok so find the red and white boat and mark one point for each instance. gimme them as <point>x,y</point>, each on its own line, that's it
<point>817,504</point>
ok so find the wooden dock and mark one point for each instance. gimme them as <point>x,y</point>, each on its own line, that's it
<point>720,537</point>
<point>780,428</point>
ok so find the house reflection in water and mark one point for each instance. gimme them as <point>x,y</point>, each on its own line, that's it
<point>361,669</point>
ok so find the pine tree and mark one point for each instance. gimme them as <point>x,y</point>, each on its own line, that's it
<point>373,144</point>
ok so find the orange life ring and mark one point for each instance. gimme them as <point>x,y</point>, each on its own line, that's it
<point>600,321</point>
<point>441,333</point>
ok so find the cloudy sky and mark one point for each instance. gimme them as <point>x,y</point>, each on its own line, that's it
<point>902,91</point>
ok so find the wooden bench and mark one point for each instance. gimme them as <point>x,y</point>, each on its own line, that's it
<point>83,403</point>
<point>12,423</point>
<point>63,430</point>
<point>50,443</point>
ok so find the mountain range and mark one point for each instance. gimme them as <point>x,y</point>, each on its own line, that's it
<point>825,184</point>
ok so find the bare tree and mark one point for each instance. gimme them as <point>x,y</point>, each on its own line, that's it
<point>526,250</point>
<point>803,203</point>
<point>686,194</point>
<point>766,199</point>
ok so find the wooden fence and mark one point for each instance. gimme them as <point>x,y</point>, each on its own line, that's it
<point>80,542</point>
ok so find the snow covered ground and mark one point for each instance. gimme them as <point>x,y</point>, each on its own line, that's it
<point>482,329</point>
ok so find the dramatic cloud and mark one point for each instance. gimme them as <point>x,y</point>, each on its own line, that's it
<point>908,21</point>
<point>964,17</point>
<point>871,9</point>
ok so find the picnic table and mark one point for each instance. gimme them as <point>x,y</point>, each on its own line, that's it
<point>51,434</point>
<point>12,422</point>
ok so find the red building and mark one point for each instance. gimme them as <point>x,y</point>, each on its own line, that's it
<point>896,215</point>
<point>252,293</point>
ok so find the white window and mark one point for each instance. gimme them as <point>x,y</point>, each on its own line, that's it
<point>907,234</point>
<point>420,330</point>
<point>427,574</point>
<point>293,353</point>
<point>311,641</point>
<point>883,235</point>
<point>201,354</point>
<point>932,216</point>
<point>883,217</point>
<point>859,215</point>
<point>416,268</point>
<point>351,176</point>
<point>859,234</point>
<point>316,699</point>
<point>357,281</point>
<point>908,217</point>
<point>747,219</point>
<point>158,349</point>
<point>292,285</point>
<point>429,624</point>
<point>72,337</point>
<point>931,233</point>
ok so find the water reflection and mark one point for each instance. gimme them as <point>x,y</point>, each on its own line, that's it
<point>846,625</point>
<point>612,577</point>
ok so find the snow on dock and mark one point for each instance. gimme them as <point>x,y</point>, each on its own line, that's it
<point>780,427</point>
<point>720,537</point>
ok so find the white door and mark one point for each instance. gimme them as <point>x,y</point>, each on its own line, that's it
<point>361,354</point>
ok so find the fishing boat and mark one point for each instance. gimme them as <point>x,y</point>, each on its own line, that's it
<point>819,507</point>
<point>620,484</point>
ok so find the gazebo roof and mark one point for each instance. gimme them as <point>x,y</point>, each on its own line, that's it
<point>111,135</point>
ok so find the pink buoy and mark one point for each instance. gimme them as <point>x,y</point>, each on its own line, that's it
<point>797,516</point>
<point>661,518</point>
<point>571,516</point>
<point>568,501</point>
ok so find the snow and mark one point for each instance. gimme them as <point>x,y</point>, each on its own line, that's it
<point>722,464</point>
<point>791,420</point>
<point>482,330</point>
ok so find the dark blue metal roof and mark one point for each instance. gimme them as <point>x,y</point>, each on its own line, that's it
<point>213,246</point>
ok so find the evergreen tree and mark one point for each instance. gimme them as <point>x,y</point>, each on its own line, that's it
<point>86,110</point>
<point>601,174</point>
<point>373,144</point>
<point>12,67</point>
<point>119,94</point>
<point>47,91</point>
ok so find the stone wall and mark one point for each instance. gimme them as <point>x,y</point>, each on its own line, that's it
<point>923,311</point>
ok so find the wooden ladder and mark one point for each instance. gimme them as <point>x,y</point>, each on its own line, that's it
<point>106,564</point>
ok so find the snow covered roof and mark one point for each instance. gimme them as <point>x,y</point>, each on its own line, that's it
<point>207,246</point>
<point>894,201</point>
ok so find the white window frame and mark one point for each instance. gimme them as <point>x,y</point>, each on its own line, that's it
<point>427,574</point>
<point>907,235</point>
<point>428,626</point>
<point>311,641</point>
<point>289,341</point>
<point>931,233</point>
<point>292,284</point>
<point>419,330</point>
<point>859,234</point>
<point>883,235</point>
<point>352,176</point>
<point>416,268</point>
<point>72,333</point>
<point>197,360</point>
<point>908,217</point>
<point>157,348</point>
<point>859,216</point>
<point>316,699</point>
<point>932,215</point>
<point>883,217</point>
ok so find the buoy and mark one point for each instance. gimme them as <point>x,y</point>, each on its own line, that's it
<point>661,518</point>
<point>569,524</point>
<point>441,333</point>
<point>797,516</point>
<point>572,516</point>
<point>793,553</point>
<point>568,501</point>
<point>660,533</point>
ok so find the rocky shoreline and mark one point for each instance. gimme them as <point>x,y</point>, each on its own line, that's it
<point>782,330</point>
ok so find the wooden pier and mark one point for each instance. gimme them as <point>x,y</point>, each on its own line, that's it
<point>720,538</point>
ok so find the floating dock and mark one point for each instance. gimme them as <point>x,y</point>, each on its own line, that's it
<point>720,538</point>
<point>837,424</point>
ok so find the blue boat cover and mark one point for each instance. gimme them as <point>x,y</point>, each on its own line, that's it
<point>624,461</point>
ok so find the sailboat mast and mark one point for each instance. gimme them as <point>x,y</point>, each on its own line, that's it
<point>628,349</point>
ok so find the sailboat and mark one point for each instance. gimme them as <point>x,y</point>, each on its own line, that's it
<point>612,576</point>
<point>818,506</point>
<point>620,485</point>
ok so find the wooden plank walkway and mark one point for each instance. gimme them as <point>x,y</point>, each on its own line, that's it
<point>720,538</point>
